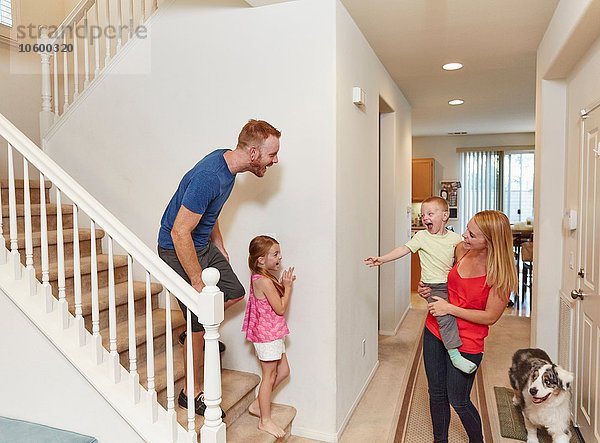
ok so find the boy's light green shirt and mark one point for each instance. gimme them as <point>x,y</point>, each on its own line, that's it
<point>436,253</point>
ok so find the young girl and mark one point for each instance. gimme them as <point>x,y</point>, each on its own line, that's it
<point>265,324</point>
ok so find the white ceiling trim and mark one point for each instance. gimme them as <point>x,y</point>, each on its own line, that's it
<point>257,3</point>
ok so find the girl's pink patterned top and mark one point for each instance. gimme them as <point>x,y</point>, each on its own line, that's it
<point>261,323</point>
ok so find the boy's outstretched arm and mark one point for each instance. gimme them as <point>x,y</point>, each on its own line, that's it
<point>394,254</point>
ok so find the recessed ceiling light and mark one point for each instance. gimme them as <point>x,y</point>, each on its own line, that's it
<point>456,101</point>
<point>452,66</point>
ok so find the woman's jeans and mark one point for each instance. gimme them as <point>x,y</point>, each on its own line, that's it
<point>449,386</point>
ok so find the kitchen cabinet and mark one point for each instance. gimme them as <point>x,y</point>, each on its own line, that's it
<point>423,176</point>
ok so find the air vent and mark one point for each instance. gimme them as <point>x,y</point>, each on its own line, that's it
<point>458,133</point>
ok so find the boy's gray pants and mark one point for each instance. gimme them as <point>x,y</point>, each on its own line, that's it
<point>447,323</point>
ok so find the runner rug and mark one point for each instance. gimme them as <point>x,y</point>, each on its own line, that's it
<point>511,419</point>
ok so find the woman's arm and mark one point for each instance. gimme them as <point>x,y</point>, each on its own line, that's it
<point>493,310</point>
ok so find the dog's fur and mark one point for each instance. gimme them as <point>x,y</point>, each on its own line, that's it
<point>542,390</point>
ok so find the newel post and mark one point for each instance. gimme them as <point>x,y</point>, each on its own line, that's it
<point>46,114</point>
<point>211,314</point>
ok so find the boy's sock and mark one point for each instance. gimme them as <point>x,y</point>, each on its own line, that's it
<point>461,363</point>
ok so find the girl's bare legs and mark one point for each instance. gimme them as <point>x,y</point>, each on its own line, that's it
<point>269,377</point>
<point>283,372</point>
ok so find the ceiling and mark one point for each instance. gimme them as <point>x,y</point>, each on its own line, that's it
<point>495,40</point>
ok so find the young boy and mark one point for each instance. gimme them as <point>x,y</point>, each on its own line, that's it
<point>436,250</point>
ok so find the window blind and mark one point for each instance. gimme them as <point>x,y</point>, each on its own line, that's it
<point>5,13</point>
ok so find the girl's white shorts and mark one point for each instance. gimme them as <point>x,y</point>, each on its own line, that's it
<point>271,350</point>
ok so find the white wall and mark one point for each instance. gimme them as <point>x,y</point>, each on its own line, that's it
<point>564,73</point>
<point>40,385</point>
<point>357,171</point>
<point>215,64</point>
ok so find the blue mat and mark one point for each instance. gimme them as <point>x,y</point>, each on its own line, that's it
<point>19,431</point>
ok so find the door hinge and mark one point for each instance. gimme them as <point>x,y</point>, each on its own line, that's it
<point>581,273</point>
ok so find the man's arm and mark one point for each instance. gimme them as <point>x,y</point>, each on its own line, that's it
<point>181,233</point>
<point>217,239</point>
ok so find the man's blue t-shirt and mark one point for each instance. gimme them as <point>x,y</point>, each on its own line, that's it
<point>203,190</point>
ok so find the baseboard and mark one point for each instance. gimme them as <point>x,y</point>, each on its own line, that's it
<point>314,435</point>
<point>358,399</point>
<point>395,331</point>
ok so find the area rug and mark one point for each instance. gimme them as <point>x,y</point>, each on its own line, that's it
<point>511,419</point>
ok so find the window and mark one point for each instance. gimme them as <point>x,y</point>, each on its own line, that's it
<point>6,16</point>
<point>518,186</point>
<point>496,178</point>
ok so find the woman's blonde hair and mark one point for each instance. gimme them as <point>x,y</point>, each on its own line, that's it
<point>259,247</point>
<point>501,269</point>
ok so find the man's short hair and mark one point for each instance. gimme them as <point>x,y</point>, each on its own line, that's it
<point>255,132</point>
<point>442,203</point>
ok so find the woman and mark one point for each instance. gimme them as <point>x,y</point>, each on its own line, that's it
<point>479,285</point>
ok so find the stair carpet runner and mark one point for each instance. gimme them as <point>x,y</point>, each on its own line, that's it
<point>238,388</point>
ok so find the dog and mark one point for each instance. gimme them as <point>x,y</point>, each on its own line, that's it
<point>542,390</point>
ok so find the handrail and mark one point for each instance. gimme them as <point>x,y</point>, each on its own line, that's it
<point>74,16</point>
<point>113,227</point>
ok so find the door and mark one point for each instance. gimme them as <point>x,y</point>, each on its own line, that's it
<point>588,337</point>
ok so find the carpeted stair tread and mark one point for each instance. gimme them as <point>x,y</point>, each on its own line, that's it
<point>36,237</point>
<point>235,385</point>
<point>121,292</point>
<point>20,183</point>
<point>85,266</point>
<point>35,210</point>
<point>159,321</point>
<point>244,429</point>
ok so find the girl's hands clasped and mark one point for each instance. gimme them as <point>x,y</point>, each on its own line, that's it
<point>288,277</point>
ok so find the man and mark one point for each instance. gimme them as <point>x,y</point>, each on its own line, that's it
<point>190,240</point>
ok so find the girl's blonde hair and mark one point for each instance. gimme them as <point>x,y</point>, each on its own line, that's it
<point>501,270</point>
<point>259,247</point>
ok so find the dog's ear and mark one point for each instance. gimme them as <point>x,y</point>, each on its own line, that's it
<point>565,377</point>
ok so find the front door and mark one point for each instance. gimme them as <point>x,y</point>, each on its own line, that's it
<point>588,372</point>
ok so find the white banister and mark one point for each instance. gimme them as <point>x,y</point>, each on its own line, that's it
<point>151,393</point>
<point>133,372</point>
<point>171,414</point>
<point>63,309</point>
<point>97,345</point>
<point>114,364</point>
<point>213,430</point>
<point>29,269</point>
<point>79,320</point>
<point>12,202</point>
<point>46,289</point>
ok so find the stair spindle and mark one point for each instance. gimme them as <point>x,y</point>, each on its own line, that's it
<point>133,372</point>
<point>96,41</point>
<point>75,69</point>
<point>119,25</point>
<point>130,18</point>
<point>191,409</point>
<point>12,203</point>
<point>3,245</point>
<point>46,288</point>
<point>143,11</point>
<point>86,51</point>
<point>60,256</point>
<point>28,228</point>
<point>79,321</point>
<point>97,349</point>
<point>152,399</point>
<point>114,367</point>
<point>55,83</point>
<point>107,56</point>
<point>65,76</point>
<point>170,373</point>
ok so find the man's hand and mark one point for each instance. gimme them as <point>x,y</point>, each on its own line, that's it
<point>223,251</point>
<point>199,286</point>
<point>373,261</point>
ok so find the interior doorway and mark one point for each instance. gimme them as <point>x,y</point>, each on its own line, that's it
<point>387,218</point>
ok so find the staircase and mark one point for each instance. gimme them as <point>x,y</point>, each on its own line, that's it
<point>117,307</point>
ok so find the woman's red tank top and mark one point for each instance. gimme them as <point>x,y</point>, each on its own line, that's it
<point>468,293</point>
